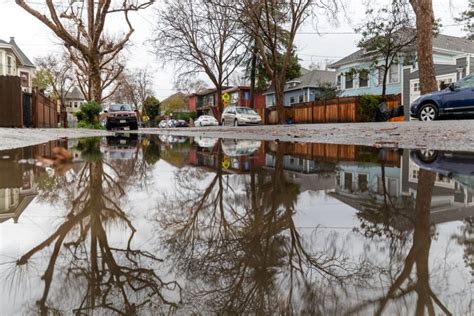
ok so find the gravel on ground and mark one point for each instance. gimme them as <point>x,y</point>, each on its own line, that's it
<point>452,135</point>
<point>21,137</point>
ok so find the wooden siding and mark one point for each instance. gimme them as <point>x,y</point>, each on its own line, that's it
<point>45,112</point>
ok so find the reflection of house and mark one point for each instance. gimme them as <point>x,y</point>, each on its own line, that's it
<point>306,88</point>
<point>310,175</point>
<point>360,185</point>
<point>17,188</point>
<point>13,62</point>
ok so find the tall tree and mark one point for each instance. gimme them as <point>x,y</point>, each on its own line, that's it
<point>424,28</point>
<point>200,37</point>
<point>387,37</point>
<point>271,24</point>
<point>81,25</point>
<point>467,18</point>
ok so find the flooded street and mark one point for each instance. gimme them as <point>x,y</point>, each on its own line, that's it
<point>156,224</point>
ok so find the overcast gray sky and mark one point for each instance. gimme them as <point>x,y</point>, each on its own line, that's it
<point>334,42</point>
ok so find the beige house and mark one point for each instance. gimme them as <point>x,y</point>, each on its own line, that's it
<point>73,101</point>
<point>13,62</point>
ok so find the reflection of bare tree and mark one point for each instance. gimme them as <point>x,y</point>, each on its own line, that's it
<point>466,238</point>
<point>414,276</point>
<point>109,278</point>
<point>235,240</point>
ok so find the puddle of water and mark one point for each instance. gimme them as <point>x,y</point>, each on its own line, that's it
<point>158,224</point>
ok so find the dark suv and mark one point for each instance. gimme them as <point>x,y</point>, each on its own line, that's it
<point>121,115</point>
<point>458,98</point>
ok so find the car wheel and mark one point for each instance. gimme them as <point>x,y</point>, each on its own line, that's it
<point>134,127</point>
<point>236,123</point>
<point>428,113</point>
<point>426,155</point>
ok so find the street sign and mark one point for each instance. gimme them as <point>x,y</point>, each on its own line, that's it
<point>226,97</point>
<point>226,163</point>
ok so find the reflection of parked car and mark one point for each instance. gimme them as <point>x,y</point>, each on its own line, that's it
<point>181,123</point>
<point>121,146</point>
<point>458,98</point>
<point>206,120</point>
<point>120,115</point>
<point>236,115</point>
<point>163,124</point>
<point>445,163</point>
<point>237,148</point>
<point>206,142</point>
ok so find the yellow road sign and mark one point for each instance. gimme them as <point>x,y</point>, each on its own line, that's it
<point>226,97</point>
<point>226,163</point>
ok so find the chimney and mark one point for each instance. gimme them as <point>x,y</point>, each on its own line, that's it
<point>12,39</point>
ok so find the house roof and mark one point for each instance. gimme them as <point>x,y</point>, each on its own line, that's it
<point>440,41</point>
<point>312,79</point>
<point>23,58</point>
<point>75,94</point>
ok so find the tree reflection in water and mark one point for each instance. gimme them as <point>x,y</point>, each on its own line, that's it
<point>235,242</point>
<point>101,276</point>
<point>413,277</point>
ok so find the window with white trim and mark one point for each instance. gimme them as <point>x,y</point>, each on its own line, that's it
<point>363,78</point>
<point>393,74</point>
<point>349,80</point>
<point>9,65</point>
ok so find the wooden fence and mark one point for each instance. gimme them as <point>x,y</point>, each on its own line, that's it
<point>21,109</point>
<point>339,110</point>
<point>11,110</point>
<point>45,112</point>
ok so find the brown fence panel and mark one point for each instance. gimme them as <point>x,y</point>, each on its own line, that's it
<point>11,108</point>
<point>45,111</point>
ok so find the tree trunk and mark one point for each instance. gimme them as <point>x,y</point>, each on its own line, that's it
<point>279,102</point>
<point>424,23</point>
<point>252,77</point>
<point>220,104</point>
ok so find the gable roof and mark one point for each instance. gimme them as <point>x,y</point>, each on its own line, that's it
<point>75,94</point>
<point>311,79</point>
<point>440,41</point>
<point>25,61</point>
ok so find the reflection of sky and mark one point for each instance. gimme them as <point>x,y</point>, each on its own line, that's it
<point>314,210</point>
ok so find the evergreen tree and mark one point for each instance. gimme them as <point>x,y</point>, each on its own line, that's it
<point>467,18</point>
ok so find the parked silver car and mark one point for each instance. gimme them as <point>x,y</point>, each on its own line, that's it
<point>206,120</point>
<point>236,115</point>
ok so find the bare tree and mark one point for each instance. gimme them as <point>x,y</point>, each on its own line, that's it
<point>81,25</point>
<point>134,87</point>
<point>273,26</point>
<point>60,76</point>
<point>200,37</point>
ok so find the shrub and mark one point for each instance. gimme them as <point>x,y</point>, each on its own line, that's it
<point>88,116</point>
<point>185,116</point>
<point>368,105</point>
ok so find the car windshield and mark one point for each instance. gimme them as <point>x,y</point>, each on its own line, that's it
<point>245,111</point>
<point>466,82</point>
<point>120,107</point>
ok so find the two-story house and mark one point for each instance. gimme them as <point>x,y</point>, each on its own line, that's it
<point>73,101</point>
<point>306,88</point>
<point>202,102</point>
<point>13,62</point>
<point>357,74</point>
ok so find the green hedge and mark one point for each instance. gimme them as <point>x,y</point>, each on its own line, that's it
<point>368,105</point>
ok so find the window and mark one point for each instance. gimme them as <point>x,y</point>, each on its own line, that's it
<point>393,74</point>
<point>349,80</point>
<point>339,82</point>
<point>9,65</point>
<point>416,87</point>
<point>292,100</point>
<point>381,74</point>
<point>363,78</point>
<point>25,82</point>
<point>363,183</point>
<point>301,98</point>
<point>348,181</point>
<point>466,82</point>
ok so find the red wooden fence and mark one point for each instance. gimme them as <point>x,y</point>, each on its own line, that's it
<point>45,112</point>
